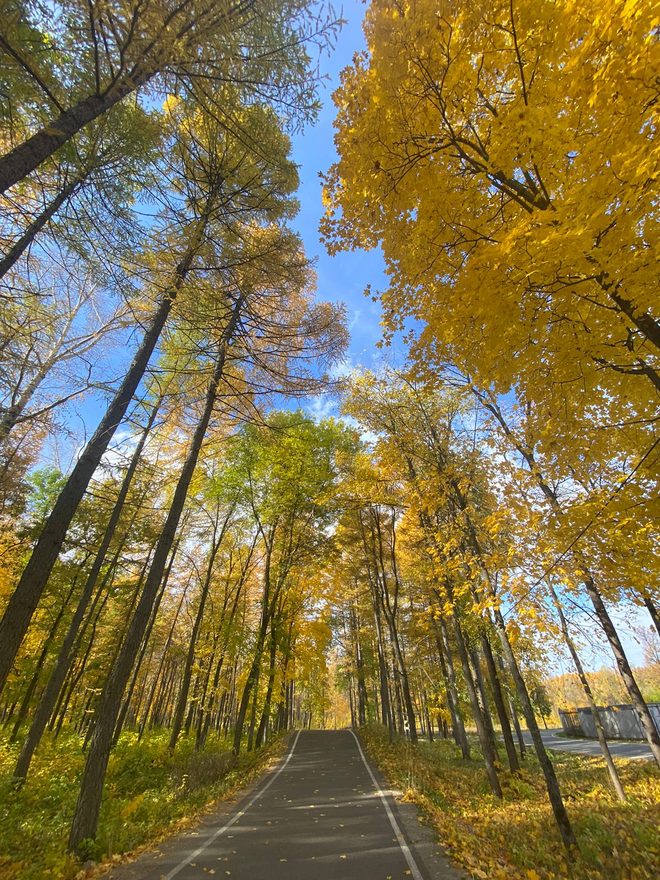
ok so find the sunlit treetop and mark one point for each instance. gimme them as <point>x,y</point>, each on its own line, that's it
<point>503,156</point>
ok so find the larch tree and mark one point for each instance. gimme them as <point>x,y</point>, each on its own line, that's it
<point>232,186</point>
<point>104,54</point>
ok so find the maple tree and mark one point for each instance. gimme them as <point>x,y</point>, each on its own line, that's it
<point>502,158</point>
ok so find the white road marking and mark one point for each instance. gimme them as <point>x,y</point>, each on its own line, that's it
<point>405,849</point>
<point>189,858</point>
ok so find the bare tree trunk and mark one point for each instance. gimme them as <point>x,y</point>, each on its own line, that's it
<point>206,713</point>
<point>250,684</point>
<point>600,733</point>
<point>199,715</point>
<point>490,759</point>
<point>387,715</point>
<point>89,801</point>
<point>28,156</point>
<point>253,711</point>
<point>653,611</point>
<point>500,706</point>
<point>64,657</point>
<point>27,697</point>
<point>650,731</point>
<point>552,784</point>
<point>23,243</point>
<point>119,640</point>
<point>482,696</point>
<point>145,642</point>
<point>25,598</point>
<point>389,606</point>
<point>151,702</point>
<point>362,698</point>
<point>199,617</point>
<point>449,676</point>
<point>265,715</point>
<point>519,735</point>
<point>76,672</point>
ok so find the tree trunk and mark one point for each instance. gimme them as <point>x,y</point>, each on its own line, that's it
<point>500,706</point>
<point>89,801</point>
<point>387,716</point>
<point>28,156</point>
<point>389,602</point>
<point>253,674</point>
<point>552,784</point>
<point>449,676</point>
<point>514,714</point>
<point>265,715</point>
<point>75,673</point>
<point>653,611</point>
<point>490,759</point>
<point>145,642</point>
<point>362,697</point>
<point>253,710</point>
<point>27,698</point>
<point>19,247</point>
<point>190,657</point>
<point>482,696</point>
<point>65,655</point>
<point>24,600</point>
<point>600,733</point>
<point>205,721</point>
<point>152,702</point>
<point>402,680</point>
<point>119,639</point>
<point>623,664</point>
<point>200,714</point>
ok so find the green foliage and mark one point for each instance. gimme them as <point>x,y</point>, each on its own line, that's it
<point>45,485</point>
<point>150,792</point>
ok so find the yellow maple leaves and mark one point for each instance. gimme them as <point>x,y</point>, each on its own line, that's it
<point>504,157</point>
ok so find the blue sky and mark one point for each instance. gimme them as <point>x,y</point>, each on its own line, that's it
<point>344,277</point>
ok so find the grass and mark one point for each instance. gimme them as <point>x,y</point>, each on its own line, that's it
<point>516,839</point>
<point>149,793</point>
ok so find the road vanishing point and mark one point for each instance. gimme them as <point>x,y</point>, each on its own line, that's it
<point>321,814</point>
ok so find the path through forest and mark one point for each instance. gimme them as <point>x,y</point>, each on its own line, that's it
<point>320,814</point>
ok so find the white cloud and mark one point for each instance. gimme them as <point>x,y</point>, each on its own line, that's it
<point>343,369</point>
<point>322,407</point>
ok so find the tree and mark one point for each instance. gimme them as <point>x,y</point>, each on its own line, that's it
<point>232,186</point>
<point>50,343</point>
<point>108,53</point>
<point>466,541</point>
<point>472,157</point>
<point>482,148</point>
<point>286,472</point>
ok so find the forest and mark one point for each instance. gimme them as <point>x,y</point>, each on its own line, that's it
<point>193,561</point>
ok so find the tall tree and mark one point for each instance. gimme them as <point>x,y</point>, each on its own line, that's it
<point>107,53</point>
<point>231,186</point>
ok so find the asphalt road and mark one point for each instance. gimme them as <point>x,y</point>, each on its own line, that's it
<point>590,746</point>
<point>320,815</point>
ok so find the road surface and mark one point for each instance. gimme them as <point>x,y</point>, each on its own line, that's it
<point>320,815</point>
<point>590,746</point>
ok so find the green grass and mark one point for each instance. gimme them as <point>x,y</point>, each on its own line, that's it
<point>148,793</point>
<point>516,839</point>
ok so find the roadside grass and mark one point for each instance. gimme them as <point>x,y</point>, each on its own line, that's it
<point>149,793</point>
<point>516,839</point>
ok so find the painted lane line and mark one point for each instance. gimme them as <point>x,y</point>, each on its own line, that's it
<point>194,855</point>
<point>405,849</point>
